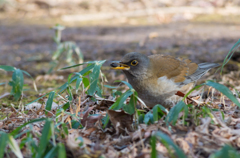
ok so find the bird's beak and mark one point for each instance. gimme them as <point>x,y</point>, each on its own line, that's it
<point>117,65</point>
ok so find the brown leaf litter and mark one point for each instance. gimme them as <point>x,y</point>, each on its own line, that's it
<point>124,137</point>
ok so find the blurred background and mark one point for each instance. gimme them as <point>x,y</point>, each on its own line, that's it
<point>203,30</point>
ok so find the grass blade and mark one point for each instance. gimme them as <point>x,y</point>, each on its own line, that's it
<point>130,108</point>
<point>196,87</point>
<point>119,102</point>
<point>61,151</point>
<point>34,83</point>
<point>14,146</point>
<point>148,118</point>
<point>52,153</point>
<point>153,146</point>
<point>224,90</point>
<point>7,68</point>
<point>17,84</point>
<point>158,109</point>
<point>16,131</point>
<point>230,54</point>
<point>50,101</point>
<point>226,152</point>
<point>78,83</point>
<point>126,83</point>
<point>88,68</point>
<point>76,65</point>
<point>37,99</point>
<point>167,142</point>
<point>110,87</point>
<point>94,77</point>
<point>3,143</point>
<point>46,134</point>
<point>173,113</point>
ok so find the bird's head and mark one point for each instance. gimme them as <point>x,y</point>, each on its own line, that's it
<point>135,64</point>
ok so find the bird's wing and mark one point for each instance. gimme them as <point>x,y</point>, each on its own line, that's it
<point>182,71</point>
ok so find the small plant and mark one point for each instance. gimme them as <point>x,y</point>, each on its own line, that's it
<point>17,81</point>
<point>47,146</point>
<point>68,48</point>
<point>168,143</point>
<point>226,151</point>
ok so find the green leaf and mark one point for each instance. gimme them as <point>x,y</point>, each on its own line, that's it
<point>86,82</point>
<point>158,109</point>
<point>17,84</point>
<point>46,134</point>
<point>111,87</point>
<point>50,101</point>
<point>130,108</point>
<point>119,102</point>
<point>69,56</point>
<point>167,142</point>
<point>141,116</point>
<point>52,64</point>
<point>26,73</point>
<point>148,118</point>
<point>66,106</point>
<point>78,52</point>
<point>3,143</point>
<point>196,87</point>
<point>224,90</point>
<point>61,151</point>
<point>94,77</point>
<point>226,152</point>
<point>7,68</point>
<point>185,113</point>
<point>58,52</point>
<point>126,83</point>
<point>65,128</point>
<point>22,133</point>
<point>16,131</point>
<point>70,96</point>
<point>14,146</point>
<point>63,87</point>
<point>76,65</point>
<point>230,54</point>
<point>153,146</point>
<point>52,153</point>
<point>69,78</point>
<point>38,98</point>
<point>34,84</point>
<point>75,124</point>
<point>78,83</point>
<point>174,112</point>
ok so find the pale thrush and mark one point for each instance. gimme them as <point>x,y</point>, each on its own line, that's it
<point>157,78</point>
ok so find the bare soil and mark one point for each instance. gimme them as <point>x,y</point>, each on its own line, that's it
<point>23,44</point>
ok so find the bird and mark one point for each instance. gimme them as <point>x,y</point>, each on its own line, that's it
<point>157,78</point>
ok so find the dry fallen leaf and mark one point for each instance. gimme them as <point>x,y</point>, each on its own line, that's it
<point>89,121</point>
<point>121,120</point>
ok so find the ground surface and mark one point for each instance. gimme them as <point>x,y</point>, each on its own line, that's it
<point>200,41</point>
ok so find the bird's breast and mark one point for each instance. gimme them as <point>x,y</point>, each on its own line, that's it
<point>158,90</point>
<point>154,87</point>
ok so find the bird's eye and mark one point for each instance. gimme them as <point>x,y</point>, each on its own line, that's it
<point>134,62</point>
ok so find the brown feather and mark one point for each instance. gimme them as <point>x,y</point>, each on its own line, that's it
<point>173,68</point>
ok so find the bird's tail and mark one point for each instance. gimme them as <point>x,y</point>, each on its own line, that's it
<point>203,68</point>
